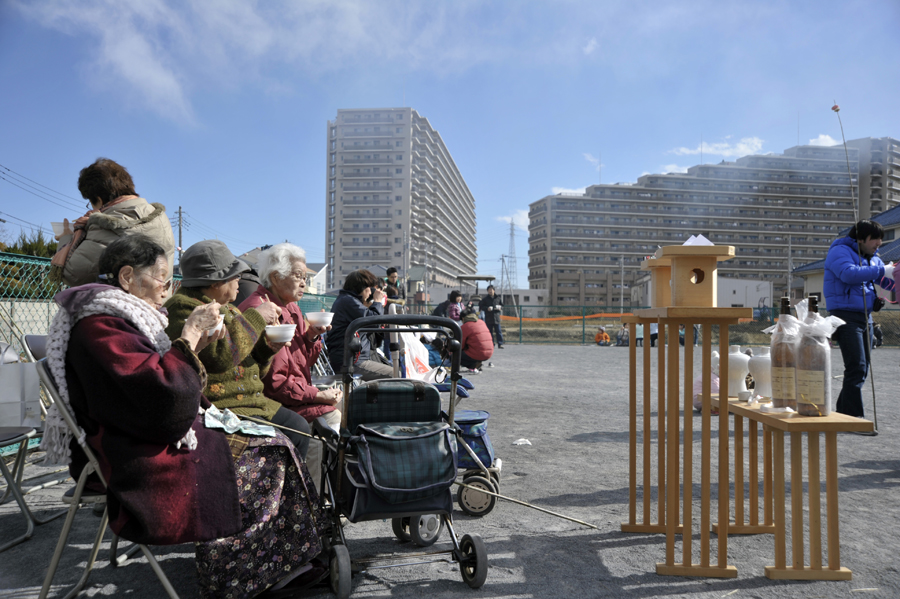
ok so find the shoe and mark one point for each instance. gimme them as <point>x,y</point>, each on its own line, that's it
<point>490,364</point>
<point>472,371</point>
<point>500,346</point>
<point>318,571</point>
<point>865,433</point>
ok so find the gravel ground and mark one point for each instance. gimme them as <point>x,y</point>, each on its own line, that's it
<point>570,402</point>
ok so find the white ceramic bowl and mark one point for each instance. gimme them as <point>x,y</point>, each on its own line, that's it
<point>319,319</point>
<point>218,327</point>
<point>280,333</point>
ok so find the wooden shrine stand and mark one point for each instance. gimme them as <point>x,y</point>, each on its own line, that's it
<point>684,286</point>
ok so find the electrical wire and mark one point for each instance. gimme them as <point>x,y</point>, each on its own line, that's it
<point>66,198</point>
<point>26,222</point>
<point>46,199</point>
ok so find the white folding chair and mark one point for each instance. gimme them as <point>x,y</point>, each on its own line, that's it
<point>78,496</point>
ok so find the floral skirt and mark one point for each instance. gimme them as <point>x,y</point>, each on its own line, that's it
<point>282,524</point>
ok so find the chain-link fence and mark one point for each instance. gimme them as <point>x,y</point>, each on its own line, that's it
<point>26,298</point>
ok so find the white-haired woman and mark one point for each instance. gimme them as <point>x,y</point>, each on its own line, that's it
<point>282,270</point>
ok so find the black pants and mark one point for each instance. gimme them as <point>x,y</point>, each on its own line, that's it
<point>653,337</point>
<point>291,419</point>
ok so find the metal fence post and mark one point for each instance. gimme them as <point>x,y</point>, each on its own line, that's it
<point>583,324</point>
<point>520,326</point>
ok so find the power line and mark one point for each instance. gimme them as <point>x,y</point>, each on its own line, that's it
<point>46,199</point>
<point>26,222</point>
<point>64,197</point>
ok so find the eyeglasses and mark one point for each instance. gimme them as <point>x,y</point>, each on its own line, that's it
<point>166,284</point>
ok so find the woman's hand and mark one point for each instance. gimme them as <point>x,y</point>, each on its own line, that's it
<point>377,295</point>
<point>312,332</point>
<point>269,311</point>
<point>276,347</point>
<point>198,325</point>
<point>330,397</point>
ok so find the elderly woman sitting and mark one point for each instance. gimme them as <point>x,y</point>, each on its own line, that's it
<point>282,269</point>
<point>139,399</point>
<point>237,363</point>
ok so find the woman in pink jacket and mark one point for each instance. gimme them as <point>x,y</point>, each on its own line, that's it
<point>282,270</point>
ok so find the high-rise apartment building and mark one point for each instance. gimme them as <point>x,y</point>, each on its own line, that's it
<point>584,249</point>
<point>394,197</point>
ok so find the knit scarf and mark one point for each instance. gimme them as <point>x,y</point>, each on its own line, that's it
<point>111,301</point>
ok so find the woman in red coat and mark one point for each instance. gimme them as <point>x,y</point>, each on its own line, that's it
<point>282,269</point>
<point>477,344</point>
<point>245,500</point>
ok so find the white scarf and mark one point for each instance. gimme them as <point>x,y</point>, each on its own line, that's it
<point>112,302</point>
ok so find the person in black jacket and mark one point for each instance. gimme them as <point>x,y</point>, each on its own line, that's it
<point>360,297</point>
<point>490,305</point>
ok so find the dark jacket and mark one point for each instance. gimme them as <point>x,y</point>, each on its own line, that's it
<point>348,307</point>
<point>491,308</point>
<point>133,404</point>
<point>846,274</point>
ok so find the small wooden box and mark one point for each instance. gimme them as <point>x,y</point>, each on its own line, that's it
<point>660,275</point>
<point>693,277</point>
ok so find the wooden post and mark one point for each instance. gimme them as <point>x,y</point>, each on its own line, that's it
<point>687,480</point>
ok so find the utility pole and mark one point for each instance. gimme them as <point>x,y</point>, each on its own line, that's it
<point>180,251</point>
<point>622,285</point>
<point>405,262</point>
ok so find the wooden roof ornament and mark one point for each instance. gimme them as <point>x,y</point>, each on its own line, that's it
<point>660,275</point>
<point>693,278</point>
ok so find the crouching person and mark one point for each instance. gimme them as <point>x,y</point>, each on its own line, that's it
<point>477,344</point>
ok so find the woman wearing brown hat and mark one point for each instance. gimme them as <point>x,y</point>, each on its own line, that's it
<point>237,363</point>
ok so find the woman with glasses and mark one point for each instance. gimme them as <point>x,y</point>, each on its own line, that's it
<point>282,269</point>
<point>114,210</point>
<point>173,477</point>
<point>236,364</point>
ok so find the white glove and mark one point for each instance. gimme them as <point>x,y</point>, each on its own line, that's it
<point>889,270</point>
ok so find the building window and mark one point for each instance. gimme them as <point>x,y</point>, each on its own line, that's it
<point>399,129</point>
<point>398,226</point>
<point>399,156</point>
<point>399,171</point>
<point>396,240</point>
<point>398,198</point>
<point>399,213</point>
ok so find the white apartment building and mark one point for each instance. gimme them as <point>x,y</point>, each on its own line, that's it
<point>394,197</point>
<point>776,209</point>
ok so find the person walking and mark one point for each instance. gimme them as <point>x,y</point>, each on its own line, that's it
<point>852,268</point>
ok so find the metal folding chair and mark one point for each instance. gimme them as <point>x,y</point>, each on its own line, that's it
<point>78,496</point>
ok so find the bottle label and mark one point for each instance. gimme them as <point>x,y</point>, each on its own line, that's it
<point>811,386</point>
<point>783,382</point>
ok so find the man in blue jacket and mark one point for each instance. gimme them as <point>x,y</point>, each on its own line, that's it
<point>852,268</point>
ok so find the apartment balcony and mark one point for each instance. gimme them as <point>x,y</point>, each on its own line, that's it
<point>384,175</point>
<point>367,133</point>
<point>365,121</point>
<point>366,244</point>
<point>378,202</point>
<point>379,217</point>
<point>382,160</point>
<point>369,231</point>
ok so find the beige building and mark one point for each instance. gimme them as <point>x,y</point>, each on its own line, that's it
<point>586,249</point>
<point>394,197</point>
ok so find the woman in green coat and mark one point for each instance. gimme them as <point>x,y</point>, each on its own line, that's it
<point>237,363</point>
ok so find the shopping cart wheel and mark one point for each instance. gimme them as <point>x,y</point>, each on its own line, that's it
<point>474,502</point>
<point>425,529</point>
<point>474,565</point>
<point>401,529</point>
<point>340,571</point>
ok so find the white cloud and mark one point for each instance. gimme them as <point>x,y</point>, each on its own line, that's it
<point>744,147</point>
<point>590,46</point>
<point>674,168</point>
<point>593,160</point>
<point>568,191</point>
<point>823,140</point>
<point>519,217</point>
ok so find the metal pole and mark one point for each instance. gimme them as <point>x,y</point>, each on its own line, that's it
<point>622,285</point>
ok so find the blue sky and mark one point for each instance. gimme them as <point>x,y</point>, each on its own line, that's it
<point>221,107</point>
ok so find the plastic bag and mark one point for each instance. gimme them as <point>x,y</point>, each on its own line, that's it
<point>814,396</point>
<point>785,337</point>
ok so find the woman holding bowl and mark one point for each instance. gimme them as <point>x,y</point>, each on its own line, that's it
<point>282,269</point>
<point>237,363</point>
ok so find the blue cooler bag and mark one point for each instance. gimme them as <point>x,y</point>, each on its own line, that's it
<point>473,424</point>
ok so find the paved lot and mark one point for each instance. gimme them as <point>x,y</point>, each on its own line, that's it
<point>570,403</point>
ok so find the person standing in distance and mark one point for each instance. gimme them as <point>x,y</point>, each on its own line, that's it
<point>491,306</point>
<point>852,268</point>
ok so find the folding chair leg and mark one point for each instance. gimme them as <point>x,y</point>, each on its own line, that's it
<point>159,573</point>
<point>13,489</point>
<point>117,560</point>
<point>61,544</point>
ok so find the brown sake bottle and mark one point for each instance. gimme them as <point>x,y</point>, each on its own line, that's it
<point>784,366</point>
<point>812,357</point>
